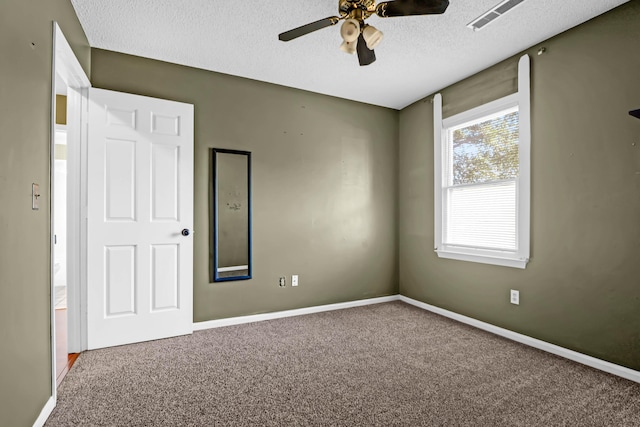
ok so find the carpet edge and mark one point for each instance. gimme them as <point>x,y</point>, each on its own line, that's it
<point>602,365</point>
<point>230,321</point>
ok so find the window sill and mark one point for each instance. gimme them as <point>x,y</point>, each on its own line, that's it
<point>484,259</point>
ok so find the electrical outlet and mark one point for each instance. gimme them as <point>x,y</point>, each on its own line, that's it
<point>283,282</point>
<point>515,297</point>
<point>294,280</point>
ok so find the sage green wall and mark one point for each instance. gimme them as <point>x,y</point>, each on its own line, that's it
<point>324,184</point>
<point>61,109</point>
<point>25,121</point>
<point>581,289</point>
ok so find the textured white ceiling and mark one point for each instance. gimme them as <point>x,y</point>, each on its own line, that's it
<point>418,56</point>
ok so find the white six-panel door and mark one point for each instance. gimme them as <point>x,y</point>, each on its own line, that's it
<point>140,199</point>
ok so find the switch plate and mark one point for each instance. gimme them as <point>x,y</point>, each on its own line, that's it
<point>35,194</point>
<point>515,297</point>
<point>294,280</point>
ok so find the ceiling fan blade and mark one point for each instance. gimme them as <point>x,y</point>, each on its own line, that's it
<point>366,56</point>
<point>309,28</point>
<point>389,9</point>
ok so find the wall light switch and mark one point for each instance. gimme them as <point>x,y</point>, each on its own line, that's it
<point>515,297</point>
<point>294,280</point>
<point>35,195</point>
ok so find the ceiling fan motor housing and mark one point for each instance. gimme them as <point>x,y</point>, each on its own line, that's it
<point>357,9</point>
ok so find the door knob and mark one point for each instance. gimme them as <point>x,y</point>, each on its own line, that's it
<point>185,232</point>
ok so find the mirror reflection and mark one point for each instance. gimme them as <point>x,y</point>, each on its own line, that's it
<point>232,215</point>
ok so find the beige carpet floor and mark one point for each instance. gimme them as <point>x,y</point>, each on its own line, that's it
<point>382,365</point>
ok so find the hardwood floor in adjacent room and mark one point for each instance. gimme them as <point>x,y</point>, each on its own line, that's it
<point>64,360</point>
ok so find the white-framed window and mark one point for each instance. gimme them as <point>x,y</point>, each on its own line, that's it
<point>482,179</point>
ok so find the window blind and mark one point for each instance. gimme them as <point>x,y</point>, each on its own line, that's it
<point>481,216</point>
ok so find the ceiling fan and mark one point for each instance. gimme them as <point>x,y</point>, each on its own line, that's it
<point>357,35</point>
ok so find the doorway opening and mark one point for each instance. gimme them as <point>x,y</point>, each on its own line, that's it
<point>64,358</point>
<point>69,86</point>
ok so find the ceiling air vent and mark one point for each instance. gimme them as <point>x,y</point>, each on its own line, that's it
<point>492,14</point>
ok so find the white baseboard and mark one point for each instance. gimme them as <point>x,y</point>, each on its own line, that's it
<point>600,364</point>
<point>199,326</point>
<point>46,411</point>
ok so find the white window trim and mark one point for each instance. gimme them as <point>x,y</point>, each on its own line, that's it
<point>522,99</point>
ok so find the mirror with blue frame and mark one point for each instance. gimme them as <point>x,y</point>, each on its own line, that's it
<point>231,225</point>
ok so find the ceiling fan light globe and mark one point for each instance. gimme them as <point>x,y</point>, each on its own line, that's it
<point>350,30</point>
<point>348,47</point>
<point>372,36</point>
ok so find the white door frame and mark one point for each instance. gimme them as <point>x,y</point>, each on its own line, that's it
<point>67,66</point>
